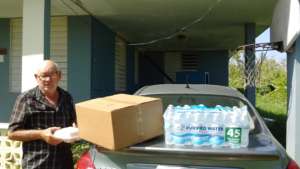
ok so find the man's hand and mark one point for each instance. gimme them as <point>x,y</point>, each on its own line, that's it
<point>47,136</point>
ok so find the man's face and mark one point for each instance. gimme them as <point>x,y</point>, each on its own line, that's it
<point>48,78</point>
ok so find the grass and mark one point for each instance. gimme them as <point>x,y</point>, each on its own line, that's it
<point>274,105</point>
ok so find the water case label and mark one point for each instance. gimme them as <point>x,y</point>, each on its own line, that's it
<point>233,135</point>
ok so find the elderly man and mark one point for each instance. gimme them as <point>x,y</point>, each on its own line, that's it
<point>37,114</point>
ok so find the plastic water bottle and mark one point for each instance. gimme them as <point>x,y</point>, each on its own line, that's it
<point>215,128</point>
<point>188,112</point>
<point>233,130</point>
<point>199,134</point>
<point>225,114</point>
<point>178,127</point>
<point>168,114</point>
<point>245,125</point>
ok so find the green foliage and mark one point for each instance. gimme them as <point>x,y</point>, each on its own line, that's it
<point>273,73</point>
<point>275,101</point>
<point>236,71</point>
<point>268,72</point>
<point>274,106</point>
<point>236,79</point>
<point>271,96</point>
<point>78,148</point>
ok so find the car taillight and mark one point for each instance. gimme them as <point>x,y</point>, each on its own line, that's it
<point>292,165</point>
<point>85,162</point>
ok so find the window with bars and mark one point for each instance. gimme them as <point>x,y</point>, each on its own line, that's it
<point>189,62</point>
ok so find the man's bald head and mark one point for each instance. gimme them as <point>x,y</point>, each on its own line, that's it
<point>47,65</point>
<point>48,75</point>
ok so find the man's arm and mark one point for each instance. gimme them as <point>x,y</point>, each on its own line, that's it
<point>16,129</point>
<point>30,135</point>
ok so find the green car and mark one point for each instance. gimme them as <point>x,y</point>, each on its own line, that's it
<point>263,150</point>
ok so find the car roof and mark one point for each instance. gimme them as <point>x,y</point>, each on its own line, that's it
<point>204,89</point>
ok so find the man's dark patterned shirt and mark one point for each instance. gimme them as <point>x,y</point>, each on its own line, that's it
<point>32,111</point>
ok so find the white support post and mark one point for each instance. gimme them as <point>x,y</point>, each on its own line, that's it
<point>293,120</point>
<point>35,44</point>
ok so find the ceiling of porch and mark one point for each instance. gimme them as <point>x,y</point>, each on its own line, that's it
<point>168,24</point>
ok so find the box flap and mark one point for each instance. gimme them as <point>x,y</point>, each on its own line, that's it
<point>131,98</point>
<point>104,104</point>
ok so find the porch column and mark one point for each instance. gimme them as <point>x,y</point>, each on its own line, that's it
<point>35,43</point>
<point>293,127</point>
<point>250,88</point>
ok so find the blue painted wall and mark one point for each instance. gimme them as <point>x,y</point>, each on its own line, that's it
<point>79,57</point>
<point>213,62</point>
<point>193,77</point>
<point>103,60</point>
<point>150,66</point>
<point>7,99</point>
<point>91,51</point>
<point>216,63</point>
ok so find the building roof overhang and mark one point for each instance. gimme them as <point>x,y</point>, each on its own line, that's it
<point>171,25</point>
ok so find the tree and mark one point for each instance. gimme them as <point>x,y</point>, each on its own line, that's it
<point>268,72</point>
<point>236,70</point>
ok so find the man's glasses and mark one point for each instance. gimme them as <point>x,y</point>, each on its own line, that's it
<point>47,76</point>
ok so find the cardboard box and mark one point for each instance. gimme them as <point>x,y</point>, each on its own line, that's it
<point>120,120</point>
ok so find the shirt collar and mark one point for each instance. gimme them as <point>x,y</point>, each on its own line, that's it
<point>40,96</point>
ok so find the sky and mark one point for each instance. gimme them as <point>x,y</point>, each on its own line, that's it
<point>265,37</point>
